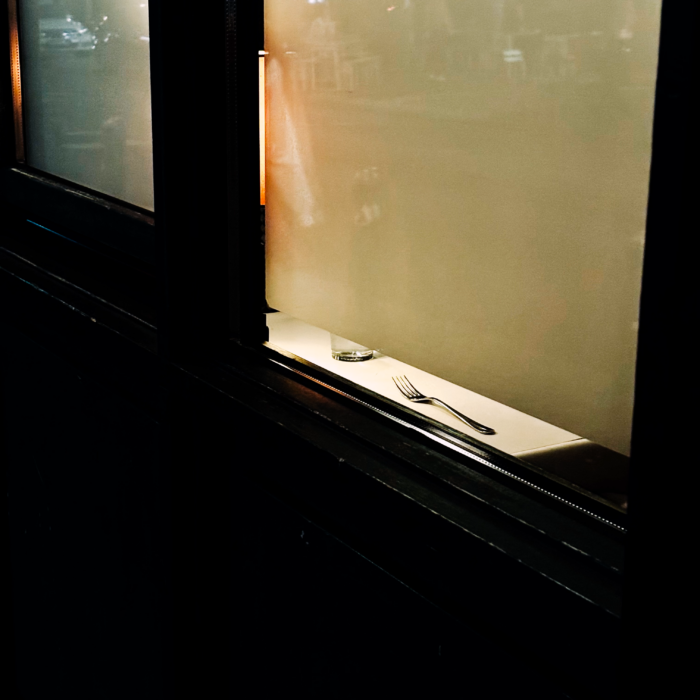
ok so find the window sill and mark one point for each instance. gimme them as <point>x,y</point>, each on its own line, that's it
<point>515,431</point>
<point>562,456</point>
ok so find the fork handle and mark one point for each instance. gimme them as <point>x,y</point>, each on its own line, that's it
<point>484,430</point>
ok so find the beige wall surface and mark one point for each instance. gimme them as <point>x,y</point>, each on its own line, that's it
<point>463,185</point>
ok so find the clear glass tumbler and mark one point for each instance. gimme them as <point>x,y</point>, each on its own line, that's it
<point>346,351</point>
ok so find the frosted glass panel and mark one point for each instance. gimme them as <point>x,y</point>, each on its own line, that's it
<point>462,184</point>
<point>86,93</point>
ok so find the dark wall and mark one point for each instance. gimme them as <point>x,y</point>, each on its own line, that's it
<point>85,511</point>
<point>334,626</point>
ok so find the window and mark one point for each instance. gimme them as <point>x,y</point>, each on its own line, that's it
<point>462,188</point>
<point>430,166</point>
<point>82,122</point>
<point>86,95</point>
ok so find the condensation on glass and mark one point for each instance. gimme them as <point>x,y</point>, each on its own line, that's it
<point>463,185</point>
<point>86,94</point>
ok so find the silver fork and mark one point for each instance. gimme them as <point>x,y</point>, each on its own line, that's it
<point>412,394</point>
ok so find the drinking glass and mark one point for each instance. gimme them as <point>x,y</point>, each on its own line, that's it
<point>346,351</point>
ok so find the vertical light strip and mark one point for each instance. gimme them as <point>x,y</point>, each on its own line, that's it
<point>16,81</point>
<point>261,110</point>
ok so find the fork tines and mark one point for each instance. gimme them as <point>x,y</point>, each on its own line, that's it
<point>406,388</point>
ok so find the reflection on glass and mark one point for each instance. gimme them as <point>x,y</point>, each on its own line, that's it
<point>86,94</point>
<point>463,183</point>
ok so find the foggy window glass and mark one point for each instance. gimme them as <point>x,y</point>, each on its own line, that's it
<point>86,94</point>
<point>463,185</point>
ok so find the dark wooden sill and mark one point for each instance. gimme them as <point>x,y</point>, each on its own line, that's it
<point>123,283</point>
<point>102,222</point>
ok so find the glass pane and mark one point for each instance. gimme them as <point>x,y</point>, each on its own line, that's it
<point>462,184</point>
<point>86,94</point>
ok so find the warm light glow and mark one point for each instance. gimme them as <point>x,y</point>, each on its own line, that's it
<point>16,84</point>
<point>261,109</point>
